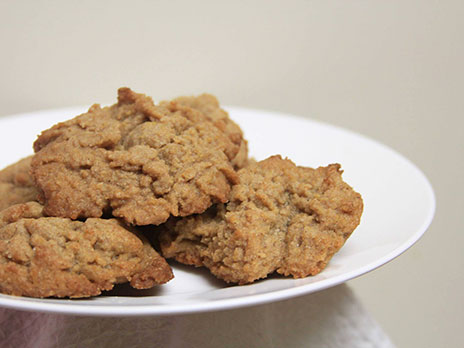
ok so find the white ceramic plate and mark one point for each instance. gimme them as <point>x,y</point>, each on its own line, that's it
<point>399,206</point>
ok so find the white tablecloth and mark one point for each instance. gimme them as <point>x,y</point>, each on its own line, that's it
<point>329,318</point>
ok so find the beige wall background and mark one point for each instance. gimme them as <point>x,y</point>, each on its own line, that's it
<point>392,70</point>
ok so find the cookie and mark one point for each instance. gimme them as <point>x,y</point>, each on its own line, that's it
<point>208,105</point>
<point>280,218</point>
<point>16,184</point>
<point>57,257</point>
<point>137,161</point>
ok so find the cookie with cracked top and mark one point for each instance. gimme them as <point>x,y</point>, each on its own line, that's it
<point>138,161</point>
<point>57,257</point>
<point>280,218</point>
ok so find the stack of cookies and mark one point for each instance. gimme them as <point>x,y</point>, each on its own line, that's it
<point>71,215</point>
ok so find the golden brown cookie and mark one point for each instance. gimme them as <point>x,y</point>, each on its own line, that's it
<point>16,184</point>
<point>280,218</point>
<point>141,162</point>
<point>57,257</point>
<point>209,106</point>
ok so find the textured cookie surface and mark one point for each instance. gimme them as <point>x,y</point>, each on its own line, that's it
<point>57,257</point>
<point>16,184</point>
<point>280,218</point>
<point>208,105</point>
<point>139,161</point>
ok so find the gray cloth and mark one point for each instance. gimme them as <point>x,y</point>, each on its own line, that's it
<point>329,318</point>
